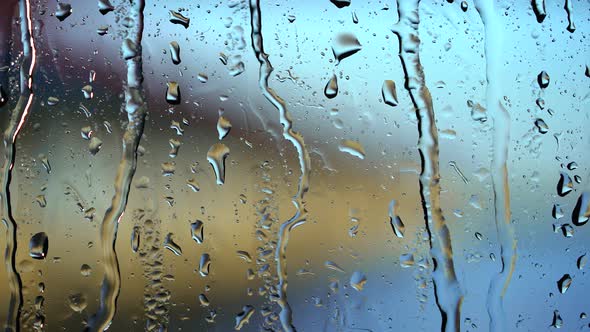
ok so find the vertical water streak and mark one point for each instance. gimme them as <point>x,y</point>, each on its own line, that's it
<point>136,111</point>
<point>17,119</point>
<point>501,140</point>
<point>304,163</point>
<point>446,287</point>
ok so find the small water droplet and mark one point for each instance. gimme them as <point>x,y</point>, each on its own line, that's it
<point>94,145</point>
<point>541,126</point>
<point>564,283</point>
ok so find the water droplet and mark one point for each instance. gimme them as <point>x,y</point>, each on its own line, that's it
<point>581,212</point>
<point>333,266</point>
<point>464,6</point>
<point>478,112</point>
<point>353,148</point>
<point>38,246</point>
<point>557,321</point>
<point>85,270</point>
<point>193,184</point>
<point>345,45</point>
<point>396,222</point>
<point>216,157</point>
<point>77,302</point>
<point>557,212</point>
<point>541,126</point>
<point>564,283</point>
<point>129,49</point>
<point>175,52</point>
<point>355,18</point>
<point>197,229</point>
<point>543,79</point>
<point>581,262</point>
<point>572,166</point>
<point>539,10</point>
<point>135,239</point>
<point>178,18</point>
<point>102,30</point>
<point>40,199</point>
<point>94,145</point>
<point>564,185</point>
<point>171,245</point>
<point>331,89</point>
<point>204,265</point>
<point>243,317</point>
<point>203,300</point>
<point>104,6</point>
<point>244,255</point>
<point>358,280</point>
<point>389,93</point>
<point>203,78</point>
<point>172,93</point>
<point>291,18</point>
<point>87,91</point>
<point>52,101</point>
<point>406,260</point>
<point>63,11</point>
<point>223,127</point>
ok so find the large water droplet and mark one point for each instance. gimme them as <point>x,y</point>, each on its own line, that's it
<point>38,246</point>
<point>331,89</point>
<point>216,157</point>
<point>175,52</point>
<point>172,93</point>
<point>358,280</point>
<point>389,93</point>
<point>345,45</point>
<point>63,11</point>
<point>564,185</point>
<point>396,222</point>
<point>353,148</point>
<point>204,265</point>
<point>581,212</point>
<point>104,6</point>
<point>223,127</point>
<point>178,18</point>
<point>543,79</point>
<point>341,3</point>
<point>243,317</point>
<point>197,229</point>
<point>171,245</point>
<point>135,239</point>
<point>564,283</point>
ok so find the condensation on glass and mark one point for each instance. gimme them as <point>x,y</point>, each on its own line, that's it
<point>329,165</point>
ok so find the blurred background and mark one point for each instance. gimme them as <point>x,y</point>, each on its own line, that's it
<point>347,270</point>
